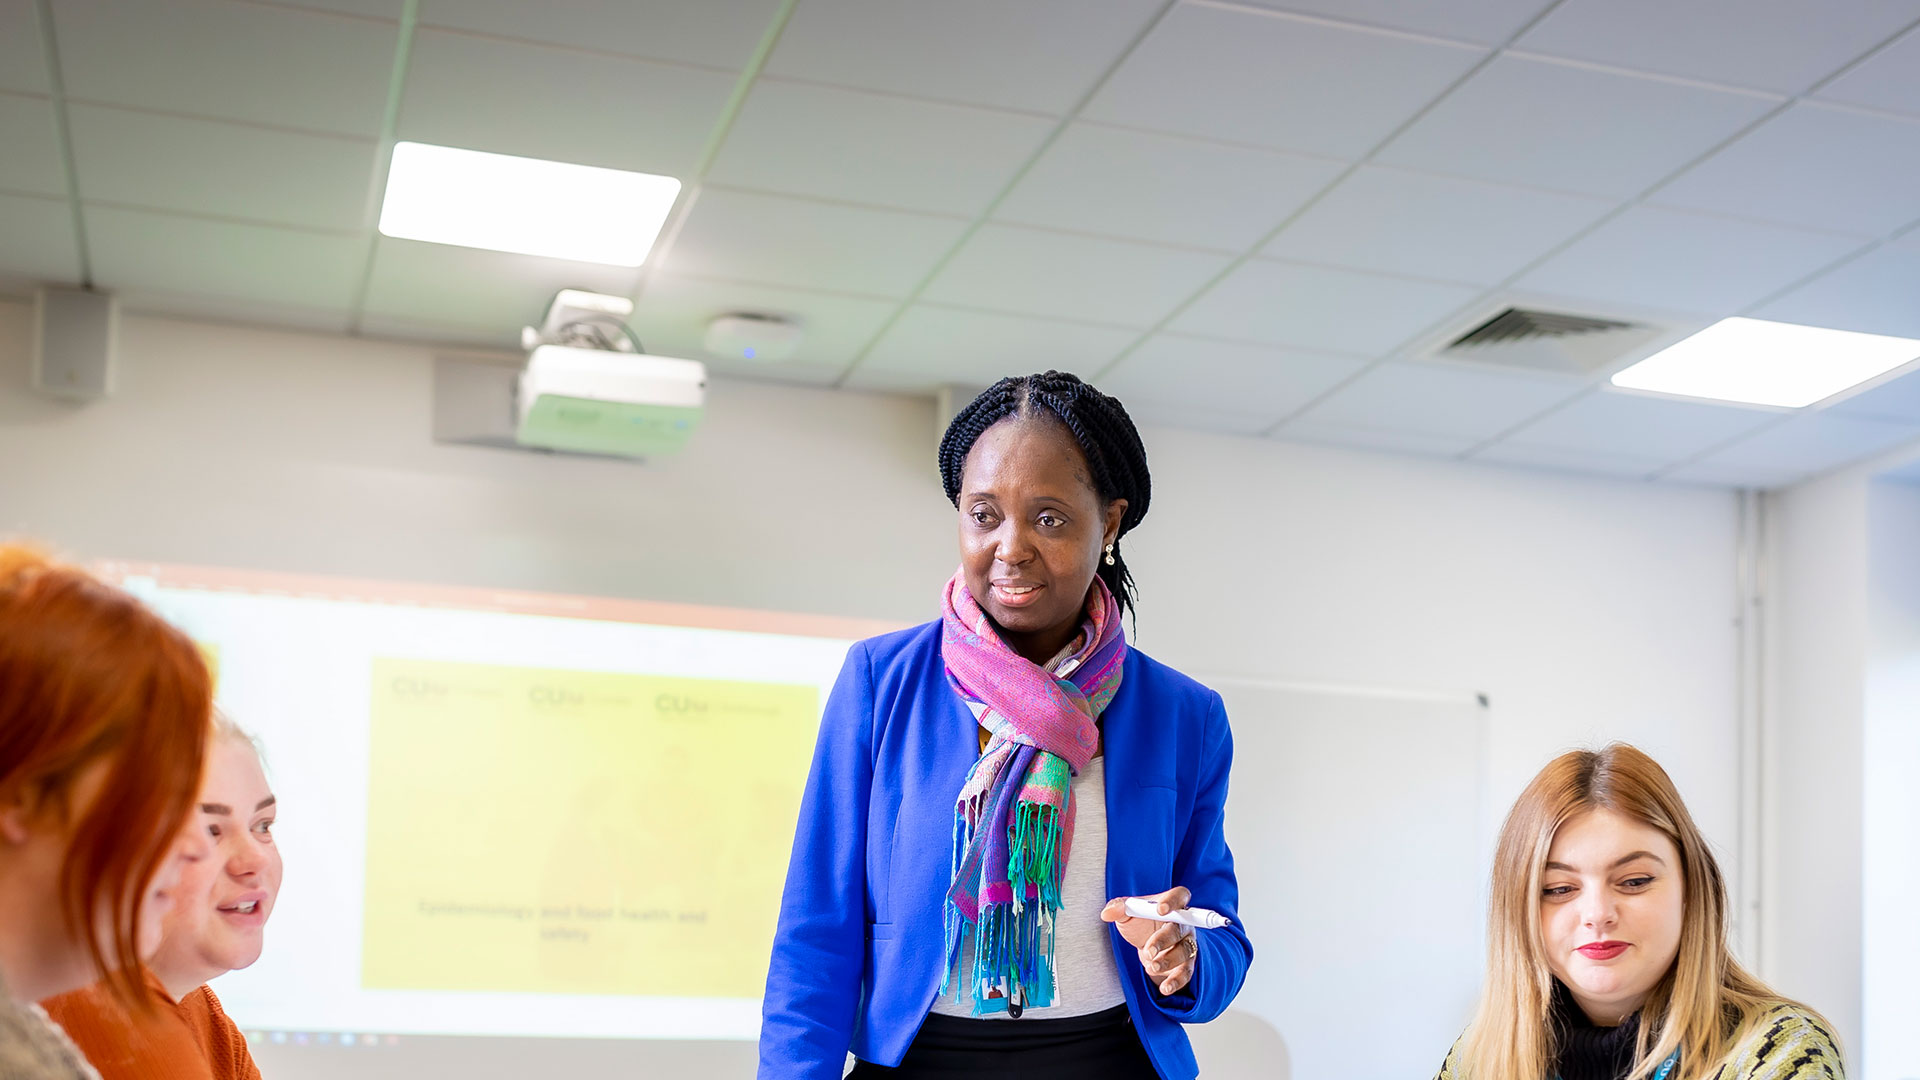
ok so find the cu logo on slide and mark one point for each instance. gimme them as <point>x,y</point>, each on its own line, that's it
<point>555,695</point>
<point>676,703</point>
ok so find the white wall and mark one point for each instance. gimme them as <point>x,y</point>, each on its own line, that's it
<point>1841,860</point>
<point>1586,610</point>
<point>1890,800</point>
<point>1816,641</point>
<point>291,451</point>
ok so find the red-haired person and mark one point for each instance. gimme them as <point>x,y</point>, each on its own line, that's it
<point>104,716</point>
<point>217,925</point>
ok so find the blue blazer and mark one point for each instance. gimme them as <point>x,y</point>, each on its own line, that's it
<point>860,950</point>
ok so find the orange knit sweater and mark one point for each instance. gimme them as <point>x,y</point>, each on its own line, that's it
<point>189,1039</point>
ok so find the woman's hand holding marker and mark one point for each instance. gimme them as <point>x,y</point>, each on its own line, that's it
<point>1142,908</point>
<point>1166,952</point>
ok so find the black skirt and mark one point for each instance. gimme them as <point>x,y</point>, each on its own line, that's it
<point>1098,1046</point>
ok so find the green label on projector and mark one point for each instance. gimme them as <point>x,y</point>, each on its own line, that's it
<point>586,426</point>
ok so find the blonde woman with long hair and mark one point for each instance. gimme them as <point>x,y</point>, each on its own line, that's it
<point>1607,945</point>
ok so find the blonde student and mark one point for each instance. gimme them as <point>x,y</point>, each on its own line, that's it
<point>1607,949</point>
<point>217,925</point>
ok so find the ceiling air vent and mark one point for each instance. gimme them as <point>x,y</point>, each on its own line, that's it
<point>1519,324</point>
<point>1554,341</point>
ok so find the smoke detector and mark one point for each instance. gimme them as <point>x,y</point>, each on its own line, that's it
<point>746,335</point>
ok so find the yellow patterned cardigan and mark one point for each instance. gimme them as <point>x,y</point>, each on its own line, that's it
<point>1787,1044</point>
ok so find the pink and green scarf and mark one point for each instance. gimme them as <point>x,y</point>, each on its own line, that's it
<point>1013,825</point>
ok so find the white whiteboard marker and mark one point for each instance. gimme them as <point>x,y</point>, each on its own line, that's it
<point>1193,916</point>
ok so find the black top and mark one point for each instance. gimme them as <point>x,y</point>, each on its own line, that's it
<point>1586,1050</point>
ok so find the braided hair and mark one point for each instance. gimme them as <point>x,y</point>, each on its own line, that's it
<point>1116,458</point>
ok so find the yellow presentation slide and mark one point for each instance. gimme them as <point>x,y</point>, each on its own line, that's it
<point>575,832</point>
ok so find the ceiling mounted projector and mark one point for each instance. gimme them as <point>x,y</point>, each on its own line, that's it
<point>593,401</point>
<point>746,335</point>
<point>587,388</point>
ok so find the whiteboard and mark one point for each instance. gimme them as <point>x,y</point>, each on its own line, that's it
<point>1354,821</point>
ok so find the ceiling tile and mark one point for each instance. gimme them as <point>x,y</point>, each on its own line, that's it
<point>1814,442</point>
<point>1203,375</point>
<point>1896,399</point>
<point>31,163</point>
<point>1434,226</point>
<point>801,139</point>
<point>744,236</point>
<point>560,104</point>
<point>866,380</point>
<point>267,65</point>
<point>1163,188</point>
<point>1426,399</point>
<point>1673,260</point>
<point>22,67</point>
<point>786,372</point>
<point>1150,413</point>
<point>224,170</point>
<point>1490,21</point>
<point>1813,165</point>
<point>1570,128</point>
<point>131,250</point>
<point>1037,55</point>
<point>1245,77</point>
<point>1557,459</point>
<point>373,9</point>
<point>1732,476</point>
<point>933,345</point>
<point>673,312</point>
<point>1877,293</point>
<point>1779,45</point>
<point>1313,307</point>
<point>1370,438</point>
<point>1890,80</point>
<point>36,239</point>
<point>1619,424</point>
<point>484,291</point>
<point>717,33</point>
<point>1068,276</point>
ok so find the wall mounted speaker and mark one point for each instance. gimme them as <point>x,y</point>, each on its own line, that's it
<point>74,340</point>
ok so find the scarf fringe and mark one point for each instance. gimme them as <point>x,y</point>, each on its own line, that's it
<point>1012,943</point>
<point>1034,860</point>
<point>1013,953</point>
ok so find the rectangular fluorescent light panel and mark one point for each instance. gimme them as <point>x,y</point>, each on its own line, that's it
<point>469,198</point>
<point>1755,362</point>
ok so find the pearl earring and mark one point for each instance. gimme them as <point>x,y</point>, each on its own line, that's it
<point>1109,554</point>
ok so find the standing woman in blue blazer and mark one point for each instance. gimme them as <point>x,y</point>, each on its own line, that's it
<point>990,787</point>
